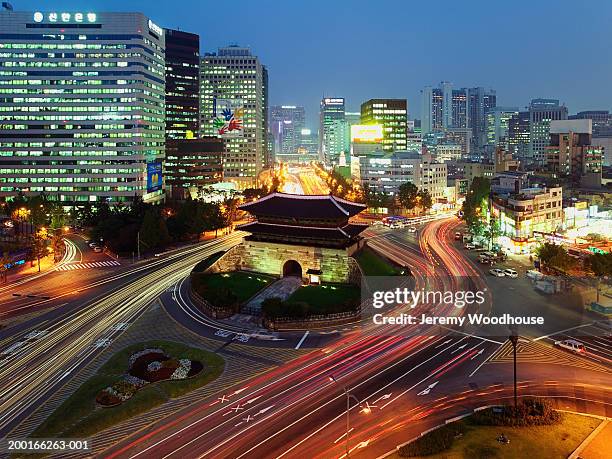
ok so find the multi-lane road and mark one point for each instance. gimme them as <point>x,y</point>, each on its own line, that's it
<point>406,380</point>
<point>402,381</point>
<point>39,355</point>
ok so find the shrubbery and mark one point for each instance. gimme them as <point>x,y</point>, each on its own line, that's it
<point>529,412</point>
<point>433,442</point>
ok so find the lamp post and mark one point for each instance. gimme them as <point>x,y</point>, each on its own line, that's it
<point>348,394</point>
<point>514,341</point>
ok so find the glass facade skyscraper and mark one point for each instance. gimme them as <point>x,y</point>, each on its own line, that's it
<point>332,130</point>
<point>82,106</point>
<point>392,115</point>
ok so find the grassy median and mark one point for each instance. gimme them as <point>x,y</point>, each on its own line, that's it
<point>373,264</point>
<point>79,416</point>
<point>543,442</point>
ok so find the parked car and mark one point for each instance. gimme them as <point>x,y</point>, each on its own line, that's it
<point>571,345</point>
<point>412,229</point>
<point>497,272</point>
<point>485,260</point>
<point>377,223</point>
<point>469,246</point>
<point>534,275</point>
<point>97,249</point>
<point>510,273</point>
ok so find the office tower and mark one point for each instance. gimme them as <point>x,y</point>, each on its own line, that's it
<point>570,153</point>
<point>459,112</point>
<point>431,110</point>
<point>446,108</point>
<point>193,164</point>
<point>518,135</point>
<point>286,124</point>
<point>332,130</point>
<point>480,101</point>
<point>83,106</point>
<point>233,106</point>
<point>308,148</point>
<point>497,124</point>
<point>392,115</point>
<point>602,121</point>
<point>351,119</point>
<point>182,84</point>
<point>541,113</point>
<point>461,137</point>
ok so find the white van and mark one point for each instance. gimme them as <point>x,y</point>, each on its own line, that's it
<point>571,345</point>
<point>534,275</point>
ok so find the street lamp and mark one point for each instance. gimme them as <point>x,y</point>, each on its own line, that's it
<point>364,409</point>
<point>514,341</point>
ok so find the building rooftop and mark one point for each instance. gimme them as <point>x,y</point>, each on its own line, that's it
<point>293,206</point>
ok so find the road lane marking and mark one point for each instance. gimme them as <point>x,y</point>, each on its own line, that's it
<point>302,340</point>
<point>563,331</point>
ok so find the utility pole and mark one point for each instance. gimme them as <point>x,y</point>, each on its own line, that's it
<point>138,244</point>
<point>514,340</point>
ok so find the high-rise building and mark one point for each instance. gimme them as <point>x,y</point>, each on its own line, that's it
<point>541,113</point>
<point>192,164</point>
<point>431,110</point>
<point>182,84</point>
<point>392,115</point>
<point>497,125</point>
<point>332,130</point>
<point>518,135</point>
<point>233,105</point>
<point>82,101</point>
<point>480,101</point>
<point>445,108</point>
<point>286,124</point>
<point>308,149</point>
<point>570,153</point>
<point>351,119</point>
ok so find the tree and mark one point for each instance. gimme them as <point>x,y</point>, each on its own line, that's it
<point>4,262</point>
<point>476,204</point>
<point>424,200</point>
<point>555,255</point>
<point>407,195</point>
<point>38,246</point>
<point>601,265</point>
<point>153,230</point>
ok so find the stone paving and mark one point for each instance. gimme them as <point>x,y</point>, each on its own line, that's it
<point>282,288</point>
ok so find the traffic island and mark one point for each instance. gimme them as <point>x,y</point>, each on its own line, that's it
<point>534,430</point>
<point>82,414</point>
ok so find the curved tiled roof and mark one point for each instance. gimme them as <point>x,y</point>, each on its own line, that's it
<point>303,206</point>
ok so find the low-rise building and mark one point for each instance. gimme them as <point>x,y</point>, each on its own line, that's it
<point>531,210</point>
<point>385,172</point>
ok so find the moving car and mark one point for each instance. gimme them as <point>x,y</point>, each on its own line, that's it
<point>497,272</point>
<point>571,345</point>
<point>469,246</point>
<point>92,245</point>
<point>377,223</point>
<point>97,249</point>
<point>510,273</point>
<point>458,236</point>
<point>412,229</point>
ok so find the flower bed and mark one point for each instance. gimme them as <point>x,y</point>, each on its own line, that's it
<point>145,367</point>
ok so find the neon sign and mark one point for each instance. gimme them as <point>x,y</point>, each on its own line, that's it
<point>65,17</point>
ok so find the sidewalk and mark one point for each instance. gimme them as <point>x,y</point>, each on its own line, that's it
<point>596,445</point>
<point>28,271</point>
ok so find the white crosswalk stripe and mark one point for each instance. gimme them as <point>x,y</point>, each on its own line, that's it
<point>93,264</point>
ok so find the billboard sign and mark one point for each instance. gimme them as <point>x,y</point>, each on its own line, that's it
<point>154,176</point>
<point>228,117</point>
<point>366,133</point>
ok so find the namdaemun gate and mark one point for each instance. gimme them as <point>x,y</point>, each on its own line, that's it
<point>309,236</point>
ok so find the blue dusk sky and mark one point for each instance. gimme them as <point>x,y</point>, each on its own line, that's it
<point>391,48</point>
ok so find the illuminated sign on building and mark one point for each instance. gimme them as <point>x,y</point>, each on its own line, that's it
<point>155,28</point>
<point>330,101</point>
<point>366,133</point>
<point>65,17</point>
<point>154,176</point>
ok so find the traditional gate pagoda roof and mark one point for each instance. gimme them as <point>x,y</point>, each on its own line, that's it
<point>314,220</point>
<point>289,206</point>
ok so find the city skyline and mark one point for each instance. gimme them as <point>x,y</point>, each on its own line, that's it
<point>344,70</point>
